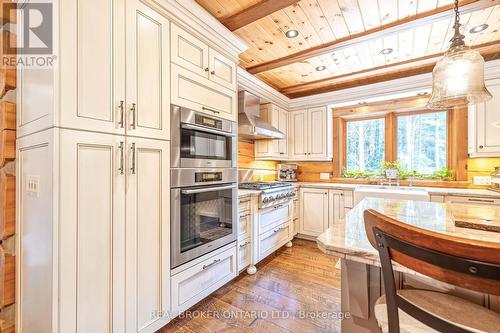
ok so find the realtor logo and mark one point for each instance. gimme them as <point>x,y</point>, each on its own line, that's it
<point>33,26</point>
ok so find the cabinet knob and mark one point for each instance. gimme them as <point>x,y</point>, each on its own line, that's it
<point>206,69</point>
<point>212,72</point>
<point>481,147</point>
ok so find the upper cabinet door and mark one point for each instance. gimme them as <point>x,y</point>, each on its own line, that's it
<point>93,65</point>
<point>189,52</point>
<point>298,135</point>
<point>317,119</point>
<point>283,127</point>
<point>148,234</point>
<point>488,115</point>
<point>148,77</point>
<point>222,70</point>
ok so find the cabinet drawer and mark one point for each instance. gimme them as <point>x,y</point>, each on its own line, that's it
<point>244,225</point>
<point>268,218</point>
<point>273,240</point>
<point>7,205</point>
<point>200,94</point>
<point>244,254</point>
<point>198,281</point>
<point>243,204</point>
<point>473,200</point>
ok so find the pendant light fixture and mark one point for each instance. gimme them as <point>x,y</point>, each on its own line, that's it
<point>458,77</point>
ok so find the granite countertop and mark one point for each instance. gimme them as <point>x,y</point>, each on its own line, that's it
<point>348,239</point>
<point>430,190</point>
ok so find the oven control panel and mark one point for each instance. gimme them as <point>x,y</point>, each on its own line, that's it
<point>208,121</point>
<point>204,177</point>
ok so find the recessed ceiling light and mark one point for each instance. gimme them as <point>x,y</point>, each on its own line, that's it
<point>291,33</point>
<point>362,103</point>
<point>320,68</point>
<point>386,51</point>
<point>479,28</point>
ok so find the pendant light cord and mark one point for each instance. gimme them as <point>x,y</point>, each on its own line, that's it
<point>458,39</point>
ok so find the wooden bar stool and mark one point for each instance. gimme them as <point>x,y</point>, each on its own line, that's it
<point>469,264</point>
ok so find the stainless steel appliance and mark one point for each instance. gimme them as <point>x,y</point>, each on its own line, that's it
<point>202,141</point>
<point>272,193</point>
<point>250,124</point>
<point>287,172</point>
<point>204,190</point>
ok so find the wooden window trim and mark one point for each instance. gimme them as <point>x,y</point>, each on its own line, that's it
<point>456,138</point>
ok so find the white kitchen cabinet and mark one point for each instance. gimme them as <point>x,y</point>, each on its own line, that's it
<point>298,141</point>
<point>484,125</point>
<point>335,206</point>
<point>276,149</point>
<point>313,211</point>
<point>273,239</point>
<point>148,234</point>
<point>245,225</point>
<point>199,278</point>
<point>189,52</point>
<point>472,200</point>
<point>222,70</point>
<point>148,77</point>
<point>244,253</point>
<point>109,224</point>
<point>311,135</point>
<point>115,68</point>
<point>197,93</point>
<point>93,65</point>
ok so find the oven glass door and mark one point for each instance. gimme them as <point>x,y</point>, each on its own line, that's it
<point>205,221</point>
<point>196,144</point>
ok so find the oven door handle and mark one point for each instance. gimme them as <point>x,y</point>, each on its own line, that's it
<point>208,130</point>
<point>208,189</point>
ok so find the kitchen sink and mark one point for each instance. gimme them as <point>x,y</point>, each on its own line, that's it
<point>390,192</point>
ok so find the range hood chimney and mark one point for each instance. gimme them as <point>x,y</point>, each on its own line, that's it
<point>250,125</point>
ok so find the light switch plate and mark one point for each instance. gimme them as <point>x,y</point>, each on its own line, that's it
<point>481,180</point>
<point>324,176</point>
<point>33,185</point>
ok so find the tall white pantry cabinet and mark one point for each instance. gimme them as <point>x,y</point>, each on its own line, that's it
<point>93,219</point>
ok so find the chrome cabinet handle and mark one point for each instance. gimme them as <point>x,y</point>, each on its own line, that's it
<point>122,114</point>
<point>121,169</point>
<point>134,116</point>
<point>210,265</point>
<point>133,159</point>
<point>279,229</point>
<point>209,109</point>
<point>244,244</point>
<point>243,216</point>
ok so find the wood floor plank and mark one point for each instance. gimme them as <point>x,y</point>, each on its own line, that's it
<point>290,293</point>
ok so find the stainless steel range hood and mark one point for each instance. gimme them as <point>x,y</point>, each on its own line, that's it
<point>250,125</point>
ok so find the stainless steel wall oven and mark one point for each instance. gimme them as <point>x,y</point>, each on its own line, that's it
<point>204,189</point>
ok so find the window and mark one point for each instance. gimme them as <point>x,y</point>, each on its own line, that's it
<point>421,143</point>
<point>365,146</point>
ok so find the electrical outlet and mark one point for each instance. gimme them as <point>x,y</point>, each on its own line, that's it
<point>481,180</point>
<point>324,176</point>
<point>33,185</point>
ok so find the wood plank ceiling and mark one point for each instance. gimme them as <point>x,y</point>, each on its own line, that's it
<point>347,37</point>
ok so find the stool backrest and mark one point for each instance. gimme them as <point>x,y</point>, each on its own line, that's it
<point>470,264</point>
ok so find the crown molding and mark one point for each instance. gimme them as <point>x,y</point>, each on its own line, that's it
<point>399,88</point>
<point>194,18</point>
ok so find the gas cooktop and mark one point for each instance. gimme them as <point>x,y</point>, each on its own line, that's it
<point>260,186</point>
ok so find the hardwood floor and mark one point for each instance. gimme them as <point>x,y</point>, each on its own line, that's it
<point>295,290</point>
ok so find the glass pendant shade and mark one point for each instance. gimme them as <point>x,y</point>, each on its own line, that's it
<point>458,79</point>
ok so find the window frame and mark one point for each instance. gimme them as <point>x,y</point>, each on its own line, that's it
<point>344,159</point>
<point>391,139</point>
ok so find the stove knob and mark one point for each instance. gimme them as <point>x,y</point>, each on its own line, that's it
<point>291,194</point>
<point>271,198</point>
<point>265,200</point>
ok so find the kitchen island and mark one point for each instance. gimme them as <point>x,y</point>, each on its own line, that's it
<point>361,281</point>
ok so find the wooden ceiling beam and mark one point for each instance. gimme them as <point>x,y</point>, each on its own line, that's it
<point>410,22</point>
<point>490,51</point>
<point>255,12</point>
